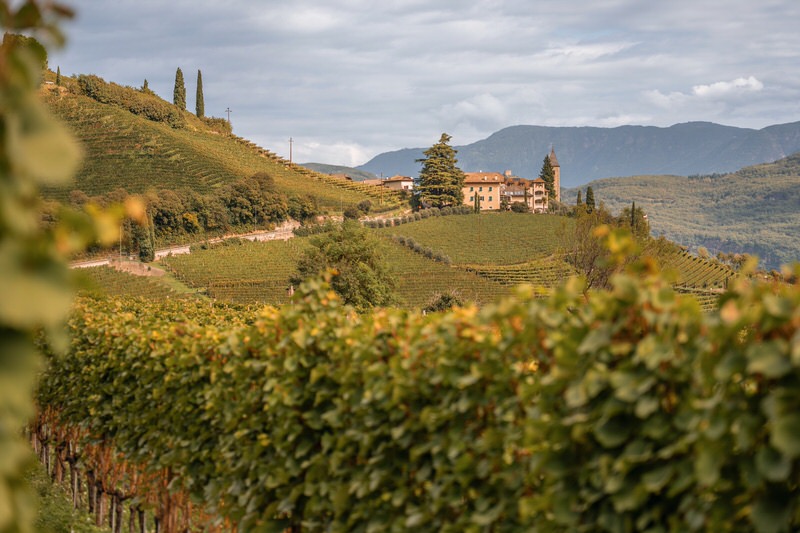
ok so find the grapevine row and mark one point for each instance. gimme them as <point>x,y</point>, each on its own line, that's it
<point>559,414</point>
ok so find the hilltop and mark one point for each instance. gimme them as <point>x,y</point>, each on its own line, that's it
<point>137,141</point>
<point>588,153</point>
<point>753,210</point>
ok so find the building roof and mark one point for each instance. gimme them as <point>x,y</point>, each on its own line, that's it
<point>400,178</point>
<point>553,159</point>
<point>372,182</point>
<point>483,177</point>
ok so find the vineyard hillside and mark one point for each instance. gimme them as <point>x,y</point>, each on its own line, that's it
<point>259,272</point>
<point>491,238</point>
<point>127,150</point>
<point>433,256</point>
<point>750,211</point>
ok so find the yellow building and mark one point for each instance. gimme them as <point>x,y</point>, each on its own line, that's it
<point>486,186</point>
<point>533,193</point>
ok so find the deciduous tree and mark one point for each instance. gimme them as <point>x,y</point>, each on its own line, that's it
<point>441,182</point>
<point>362,277</point>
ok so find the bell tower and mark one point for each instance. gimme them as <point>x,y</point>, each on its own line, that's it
<point>556,174</point>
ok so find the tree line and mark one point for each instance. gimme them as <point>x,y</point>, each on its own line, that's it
<point>246,203</point>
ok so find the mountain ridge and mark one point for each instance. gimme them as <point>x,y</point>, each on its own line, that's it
<point>589,152</point>
<point>753,210</point>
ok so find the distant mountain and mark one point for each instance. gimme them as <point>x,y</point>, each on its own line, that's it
<point>587,153</point>
<point>354,173</point>
<point>755,210</point>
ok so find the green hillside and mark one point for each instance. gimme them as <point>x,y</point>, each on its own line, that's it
<point>754,210</point>
<point>127,150</point>
<point>259,272</point>
<point>106,281</point>
<point>512,249</point>
<point>490,238</point>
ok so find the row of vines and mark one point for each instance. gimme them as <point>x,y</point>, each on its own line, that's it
<point>633,410</point>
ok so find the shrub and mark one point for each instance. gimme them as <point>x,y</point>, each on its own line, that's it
<point>364,206</point>
<point>352,213</point>
<point>149,106</point>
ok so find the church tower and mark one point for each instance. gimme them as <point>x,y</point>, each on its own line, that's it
<point>556,174</point>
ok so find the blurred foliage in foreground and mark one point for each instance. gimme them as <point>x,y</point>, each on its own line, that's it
<point>627,410</point>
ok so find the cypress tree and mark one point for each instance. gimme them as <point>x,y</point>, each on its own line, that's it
<point>441,182</point>
<point>200,107</point>
<point>579,201</point>
<point>179,93</point>
<point>633,215</point>
<point>549,176</point>
<point>590,205</point>
<point>58,76</point>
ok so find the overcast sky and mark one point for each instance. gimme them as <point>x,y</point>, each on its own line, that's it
<point>348,79</point>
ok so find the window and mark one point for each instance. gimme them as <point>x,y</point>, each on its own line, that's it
<point>490,190</point>
<point>481,198</point>
<point>471,198</point>
<point>490,198</point>
<point>471,189</point>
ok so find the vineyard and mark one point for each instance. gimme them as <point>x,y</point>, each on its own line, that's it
<point>127,151</point>
<point>106,281</point>
<point>490,238</point>
<point>542,273</point>
<point>253,272</point>
<point>246,272</point>
<point>556,414</point>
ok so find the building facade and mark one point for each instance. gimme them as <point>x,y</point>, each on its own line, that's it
<point>483,189</point>
<point>399,183</point>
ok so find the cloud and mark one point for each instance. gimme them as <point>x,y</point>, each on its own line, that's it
<point>717,91</point>
<point>481,111</point>
<point>358,77</point>
<point>723,88</point>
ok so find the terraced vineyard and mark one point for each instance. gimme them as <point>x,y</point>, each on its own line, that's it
<point>128,151</point>
<point>697,272</point>
<point>106,281</point>
<point>420,279</point>
<point>251,272</point>
<point>541,273</point>
<point>259,273</point>
<point>489,238</point>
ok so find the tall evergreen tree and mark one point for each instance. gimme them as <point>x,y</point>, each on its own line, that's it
<point>441,182</point>
<point>179,93</point>
<point>579,201</point>
<point>633,216</point>
<point>549,176</point>
<point>200,107</point>
<point>58,76</point>
<point>590,205</point>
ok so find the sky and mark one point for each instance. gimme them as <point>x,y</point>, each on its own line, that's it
<point>349,79</point>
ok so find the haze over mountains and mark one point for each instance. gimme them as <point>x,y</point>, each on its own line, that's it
<point>588,153</point>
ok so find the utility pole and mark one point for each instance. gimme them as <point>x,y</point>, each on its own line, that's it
<point>290,149</point>
<point>228,111</point>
